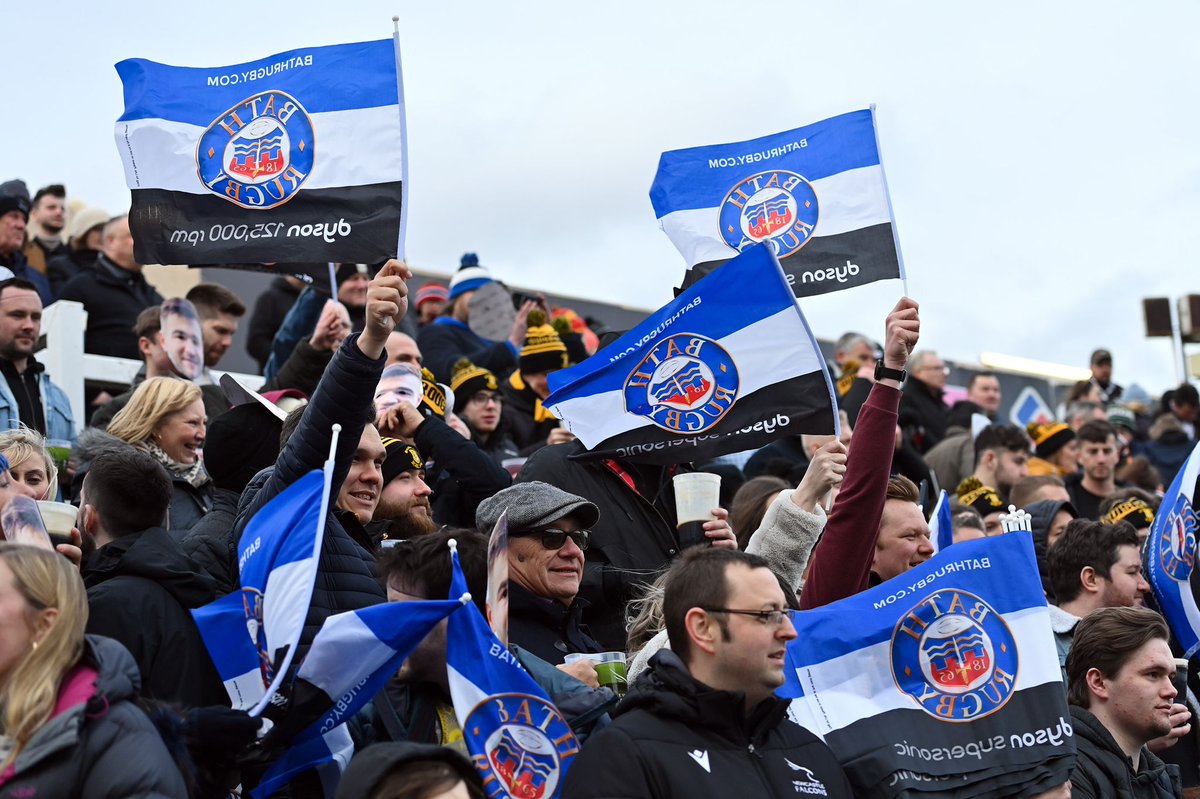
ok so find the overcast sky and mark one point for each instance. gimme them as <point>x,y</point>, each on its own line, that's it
<point>1042,158</point>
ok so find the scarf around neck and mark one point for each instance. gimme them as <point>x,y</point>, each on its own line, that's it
<point>192,473</point>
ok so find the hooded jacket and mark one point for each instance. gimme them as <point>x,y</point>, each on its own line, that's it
<point>140,589</point>
<point>1104,772</point>
<point>673,736</point>
<point>188,503</point>
<point>1041,516</point>
<point>98,744</point>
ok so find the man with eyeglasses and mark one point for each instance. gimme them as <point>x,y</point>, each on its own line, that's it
<point>703,720</point>
<point>923,411</point>
<point>548,531</point>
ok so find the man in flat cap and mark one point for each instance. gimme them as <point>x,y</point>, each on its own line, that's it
<point>548,530</point>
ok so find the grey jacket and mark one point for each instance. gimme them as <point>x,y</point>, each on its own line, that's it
<point>99,748</point>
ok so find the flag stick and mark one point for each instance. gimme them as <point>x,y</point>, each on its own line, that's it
<point>333,280</point>
<point>403,142</point>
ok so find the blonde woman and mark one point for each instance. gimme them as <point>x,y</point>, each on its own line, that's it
<point>68,722</point>
<point>164,418</point>
<point>31,467</point>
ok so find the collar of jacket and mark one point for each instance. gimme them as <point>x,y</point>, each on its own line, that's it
<point>523,602</point>
<point>540,414</point>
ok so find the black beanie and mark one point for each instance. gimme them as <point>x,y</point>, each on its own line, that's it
<point>240,443</point>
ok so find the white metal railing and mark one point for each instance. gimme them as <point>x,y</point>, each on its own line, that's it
<point>69,367</point>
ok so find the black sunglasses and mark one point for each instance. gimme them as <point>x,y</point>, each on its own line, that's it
<point>553,538</point>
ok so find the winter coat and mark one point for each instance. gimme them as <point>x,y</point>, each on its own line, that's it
<point>446,340</point>
<point>460,474</point>
<point>20,267</point>
<point>113,297</point>
<point>633,540</point>
<point>1102,770</point>
<point>672,736</point>
<point>61,268</point>
<point>60,421</point>
<point>841,560</point>
<point>302,371</point>
<point>547,627</point>
<point>1041,516</point>
<point>207,543</point>
<point>188,503</point>
<point>499,446</point>
<point>1062,624</point>
<point>527,420</point>
<point>953,458</point>
<point>1168,454</point>
<point>923,415</point>
<point>141,588</point>
<point>789,449</point>
<point>98,744</point>
<point>346,569</point>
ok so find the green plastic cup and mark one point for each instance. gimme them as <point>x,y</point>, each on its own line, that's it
<point>610,668</point>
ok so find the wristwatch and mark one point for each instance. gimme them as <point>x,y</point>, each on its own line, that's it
<point>884,373</point>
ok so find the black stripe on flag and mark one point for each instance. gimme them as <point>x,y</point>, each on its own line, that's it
<point>796,405</point>
<point>355,224</point>
<point>831,263</point>
<point>1018,736</point>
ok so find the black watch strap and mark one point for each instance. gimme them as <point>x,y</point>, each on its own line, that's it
<point>884,373</point>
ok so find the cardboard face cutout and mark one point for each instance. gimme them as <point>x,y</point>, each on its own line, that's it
<point>180,335</point>
<point>400,382</point>
<point>497,588</point>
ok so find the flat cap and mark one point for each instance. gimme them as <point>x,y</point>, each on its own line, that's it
<point>534,504</point>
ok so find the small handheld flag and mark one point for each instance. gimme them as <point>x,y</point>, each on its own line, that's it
<point>941,523</point>
<point>1170,563</point>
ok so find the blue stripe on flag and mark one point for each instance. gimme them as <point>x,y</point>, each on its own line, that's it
<point>753,277</point>
<point>222,626</point>
<point>690,178</point>
<point>941,523</point>
<point>263,548</point>
<point>1003,568</point>
<point>304,756</point>
<point>337,77</point>
<point>1171,556</point>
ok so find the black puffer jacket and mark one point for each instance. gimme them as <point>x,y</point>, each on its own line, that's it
<point>140,589</point>
<point>675,737</point>
<point>100,745</point>
<point>546,627</point>
<point>1104,772</point>
<point>460,473</point>
<point>633,540</point>
<point>207,543</point>
<point>346,569</point>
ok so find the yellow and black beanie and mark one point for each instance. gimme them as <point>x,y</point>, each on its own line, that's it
<point>432,395</point>
<point>467,380</point>
<point>544,350</point>
<point>980,497</point>
<point>401,457</point>
<point>1135,511</point>
<point>1050,437</point>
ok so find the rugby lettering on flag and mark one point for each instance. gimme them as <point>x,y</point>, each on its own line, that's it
<point>296,157</point>
<point>518,740</point>
<point>941,523</point>
<point>1170,563</point>
<point>944,680</point>
<point>252,633</point>
<point>816,195</point>
<point>350,660</point>
<point>729,365</point>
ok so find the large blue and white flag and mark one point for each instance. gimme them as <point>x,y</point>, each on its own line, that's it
<point>941,523</point>
<point>296,157</point>
<point>252,633</point>
<point>1170,563</point>
<point>816,195</point>
<point>518,740</point>
<point>352,657</point>
<point>943,680</point>
<point>729,365</point>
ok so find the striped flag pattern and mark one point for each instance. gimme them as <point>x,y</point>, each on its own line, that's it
<point>729,365</point>
<point>291,158</point>
<point>941,524</point>
<point>817,195</point>
<point>1170,562</point>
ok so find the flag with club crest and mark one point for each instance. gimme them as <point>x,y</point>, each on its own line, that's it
<point>1170,562</point>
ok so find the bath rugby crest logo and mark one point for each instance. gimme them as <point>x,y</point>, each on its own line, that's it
<point>252,606</point>
<point>777,207</point>
<point>520,744</point>
<point>955,656</point>
<point>1177,541</point>
<point>685,384</point>
<point>259,153</point>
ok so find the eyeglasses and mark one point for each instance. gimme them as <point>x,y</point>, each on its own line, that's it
<point>484,397</point>
<point>553,538</point>
<point>773,618</point>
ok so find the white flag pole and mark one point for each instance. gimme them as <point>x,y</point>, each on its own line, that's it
<point>888,195</point>
<point>403,143</point>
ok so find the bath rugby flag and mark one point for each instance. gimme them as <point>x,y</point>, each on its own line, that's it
<point>519,741</point>
<point>941,523</point>
<point>942,681</point>
<point>296,157</point>
<point>1170,561</point>
<point>816,195</point>
<point>729,365</point>
<point>251,635</point>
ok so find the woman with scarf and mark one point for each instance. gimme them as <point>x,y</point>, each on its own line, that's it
<point>164,418</point>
